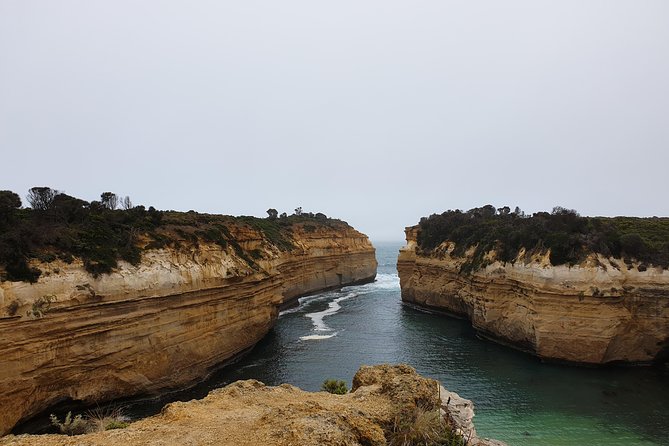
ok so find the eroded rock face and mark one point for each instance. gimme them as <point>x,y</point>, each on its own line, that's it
<point>250,413</point>
<point>602,311</point>
<point>168,322</point>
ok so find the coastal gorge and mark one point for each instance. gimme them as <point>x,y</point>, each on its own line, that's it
<point>83,321</point>
<point>562,287</point>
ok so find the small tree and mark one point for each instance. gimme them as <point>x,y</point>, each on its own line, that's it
<point>41,198</point>
<point>298,211</point>
<point>9,203</point>
<point>109,200</point>
<point>272,213</point>
<point>632,244</point>
<point>126,203</point>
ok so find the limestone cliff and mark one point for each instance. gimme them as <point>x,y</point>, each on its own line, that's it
<point>379,411</point>
<point>599,311</point>
<point>166,322</point>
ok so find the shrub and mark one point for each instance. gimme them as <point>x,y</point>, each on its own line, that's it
<point>96,420</point>
<point>569,236</point>
<point>41,306</point>
<point>106,419</point>
<point>334,386</point>
<point>421,427</point>
<point>70,426</point>
<point>65,227</point>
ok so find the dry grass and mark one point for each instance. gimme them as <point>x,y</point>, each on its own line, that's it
<point>421,427</point>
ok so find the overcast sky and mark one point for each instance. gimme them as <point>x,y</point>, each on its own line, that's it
<point>376,112</point>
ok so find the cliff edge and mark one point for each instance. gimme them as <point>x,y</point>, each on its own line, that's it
<point>388,405</point>
<point>597,311</point>
<point>206,293</point>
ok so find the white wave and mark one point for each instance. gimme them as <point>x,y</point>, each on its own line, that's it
<point>387,281</point>
<point>316,337</point>
<point>333,307</point>
<point>302,301</point>
<point>383,282</point>
<point>290,310</point>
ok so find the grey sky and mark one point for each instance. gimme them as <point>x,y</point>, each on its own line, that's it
<point>376,112</point>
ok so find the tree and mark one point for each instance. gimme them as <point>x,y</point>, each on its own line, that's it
<point>272,213</point>
<point>69,209</point>
<point>9,203</point>
<point>283,215</point>
<point>298,211</point>
<point>41,198</point>
<point>126,203</point>
<point>632,244</point>
<point>109,200</point>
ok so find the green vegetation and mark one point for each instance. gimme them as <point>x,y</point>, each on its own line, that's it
<point>96,420</point>
<point>334,386</point>
<point>59,226</point>
<point>70,426</point>
<point>41,306</point>
<point>569,236</point>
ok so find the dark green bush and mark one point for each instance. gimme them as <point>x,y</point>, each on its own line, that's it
<point>64,227</point>
<point>569,236</point>
<point>335,386</point>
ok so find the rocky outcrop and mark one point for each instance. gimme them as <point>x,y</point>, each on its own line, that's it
<point>168,322</point>
<point>600,311</point>
<point>250,413</point>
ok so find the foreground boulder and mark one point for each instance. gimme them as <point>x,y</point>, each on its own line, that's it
<point>250,413</point>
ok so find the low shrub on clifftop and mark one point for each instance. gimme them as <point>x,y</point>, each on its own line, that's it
<point>59,226</point>
<point>569,236</point>
<point>334,386</point>
<point>422,427</point>
<point>96,420</point>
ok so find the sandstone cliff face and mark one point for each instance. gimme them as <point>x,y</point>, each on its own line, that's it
<point>250,413</point>
<point>167,322</point>
<point>598,312</point>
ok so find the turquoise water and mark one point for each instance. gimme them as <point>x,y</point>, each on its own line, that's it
<point>518,399</point>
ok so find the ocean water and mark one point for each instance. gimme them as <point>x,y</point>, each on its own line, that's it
<point>518,398</point>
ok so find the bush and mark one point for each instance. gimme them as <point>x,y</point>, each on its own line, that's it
<point>65,227</point>
<point>421,427</point>
<point>568,236</point>
<point>70,426</point>
<point>96,420</point>
<point>106,419</point>
<point>334,386</point>
<point>41,306</point>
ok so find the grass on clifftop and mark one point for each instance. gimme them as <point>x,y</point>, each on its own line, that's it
<point>569,236</point>
<point>59,226</point>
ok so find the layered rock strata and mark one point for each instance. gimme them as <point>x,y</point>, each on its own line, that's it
<point>250,413</point>
<point>600,311</point>
<point>166,323</point>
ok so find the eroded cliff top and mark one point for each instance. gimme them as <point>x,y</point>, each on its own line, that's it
<point>562,236</point>
<point>61,227</point>
<point>382,409</point>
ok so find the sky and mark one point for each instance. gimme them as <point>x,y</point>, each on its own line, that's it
<point>375,112</point>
